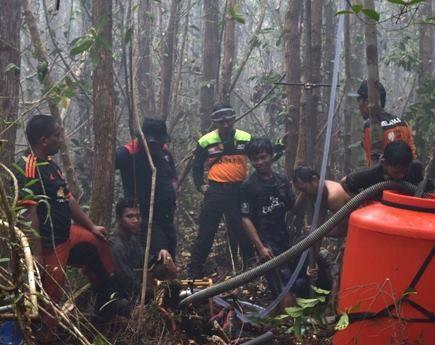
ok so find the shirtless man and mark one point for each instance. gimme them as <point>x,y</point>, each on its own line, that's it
<point>306,180</point>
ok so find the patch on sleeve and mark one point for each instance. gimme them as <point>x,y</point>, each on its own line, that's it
<point>245,207</point>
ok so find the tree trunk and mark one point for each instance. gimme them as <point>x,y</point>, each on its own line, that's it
<point>425,46</point>
<point>347,117</point>
<point>229,52</point>
<point>40,52</point>
<point>104,122</point>
<point>210,61</point>
<point>309,107</point>
<point>316,58</point>
<point>293,69</point>
<point>168,61</point>
<point>372,80</point>
<point>143,81</point>
<point>9,77</point>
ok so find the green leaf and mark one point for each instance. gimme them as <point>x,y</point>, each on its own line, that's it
<point>357,8</point>
<point>343,322</point>
<point>307,302</point>
<point>31,182</point>
<point>320,291</point>
<point>371,13</point>
<point>343,12</point>
<point>294,311</point>
<point>82,44</point>
<point>42,70</point>
<point>128,35</point>
<point>18,168</point>
<point>399,2</point>
<point>12,67</point>
<point>2,260</point>
<point>236,16</point>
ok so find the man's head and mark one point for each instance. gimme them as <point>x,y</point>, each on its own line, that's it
<point>260,153</point>
<point>223,117</point>
<point>44,134</point>
<point>306,180</point>
<point>155,130</point>
<point>396,160</point>
<point>363,97</point>
<point>128,216</point>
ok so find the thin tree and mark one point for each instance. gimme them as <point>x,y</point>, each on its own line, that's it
<point>229,51</point>
<point>9,76</point>
<point>168,50</point>
<point>104,121</point>
<point>210,61</point>
<point>373,80</point>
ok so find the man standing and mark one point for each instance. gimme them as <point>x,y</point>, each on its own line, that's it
<point>266,196</point>
<point>61,243</point>
<point>132,161</point>
<point>223,153</point>
<point>393,127</point>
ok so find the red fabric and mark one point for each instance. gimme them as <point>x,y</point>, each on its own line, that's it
<point>55,261</point>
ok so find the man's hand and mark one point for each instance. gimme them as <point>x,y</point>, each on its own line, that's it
<point>204,188</point>
<point>164,256</point>
<point>100,232</point>
<point>265,254</point>
<point>313,272</point>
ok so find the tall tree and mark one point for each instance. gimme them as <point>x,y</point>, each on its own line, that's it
<point>229,52</point>
<point>347,88</point>
<point>373,79</point>
<point>210,61</point>
<point>9,76</point>
<point>104,122</point>
<point>46,80</point>
<point>168,60</point>
<point>293,69</point>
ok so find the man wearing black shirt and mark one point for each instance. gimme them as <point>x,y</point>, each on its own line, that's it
<point>128,251</point>
<point>266,196</point>
<point>397,164</point>
<point>136,173</point>
<point>51,207</point>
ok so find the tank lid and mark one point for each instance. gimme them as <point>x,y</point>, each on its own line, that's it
<point>394,198</point>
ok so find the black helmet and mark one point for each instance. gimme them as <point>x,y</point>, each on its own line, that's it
<point>363,91</point>
<point>221,112</point>
<point>155,130</point>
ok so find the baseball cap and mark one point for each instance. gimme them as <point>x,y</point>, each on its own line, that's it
<point>222,112</point>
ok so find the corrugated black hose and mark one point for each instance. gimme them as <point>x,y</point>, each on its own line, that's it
<point>306,243</point>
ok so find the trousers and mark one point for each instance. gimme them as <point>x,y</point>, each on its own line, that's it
<point>220,199</point>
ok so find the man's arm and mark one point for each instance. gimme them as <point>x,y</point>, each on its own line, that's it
<point>198,167</point>
<point>263,252</point>
<point>83,219</point>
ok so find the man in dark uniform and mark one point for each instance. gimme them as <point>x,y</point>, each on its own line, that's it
<point>132,161</point>
<point>396,164</point>
<point>393,127</point>
<point>266,196</point>
<point>51,207</point>
<point>129,254</point>
<point>222,153</point>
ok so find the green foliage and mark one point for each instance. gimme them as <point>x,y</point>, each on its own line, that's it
<point>233,11</point>
<point>63,90</point>
<point>308,314</point>
<point>355,9</point>
<point>83,43</point>
<point>421,117</point>
<point>404,53</point>
<point>11,67</point>
<point>42,70</point>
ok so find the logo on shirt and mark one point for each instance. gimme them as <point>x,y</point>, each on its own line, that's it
<point>274,204</point>
<point>394,121</point>
<point>240,146</point>
<point>245,207</point>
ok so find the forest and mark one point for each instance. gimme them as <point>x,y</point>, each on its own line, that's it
<point>286,70</point>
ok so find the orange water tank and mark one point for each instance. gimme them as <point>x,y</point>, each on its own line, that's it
<point>387,282</point>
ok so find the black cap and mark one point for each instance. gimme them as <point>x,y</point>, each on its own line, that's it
<point>221,112</point>
<point>363,91</point>
<point>155,130</point>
